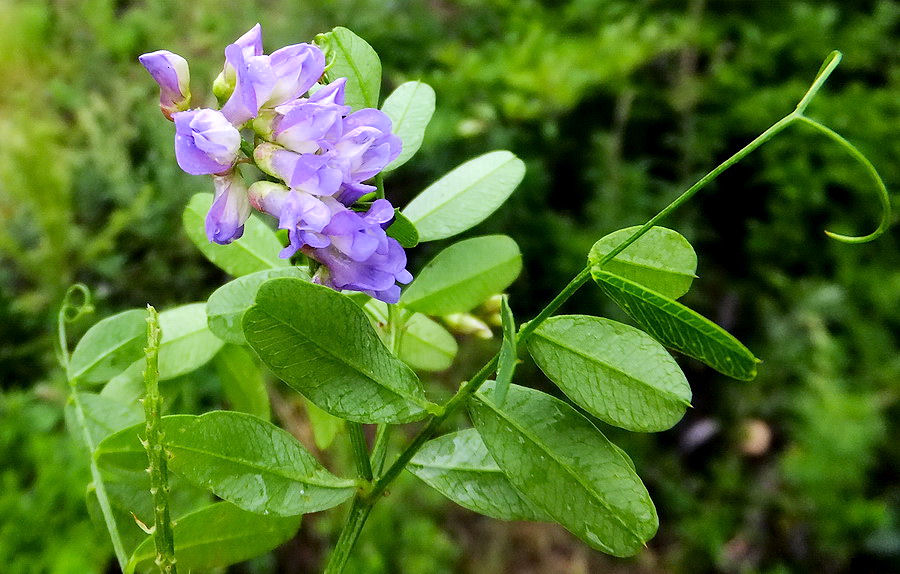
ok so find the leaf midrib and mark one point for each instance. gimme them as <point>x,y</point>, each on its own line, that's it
<point>266,469</point>
<point>570,471</point>
<point>669,395</point>
<point>105,354</point>
<point>244,245</point>
<point>649,266</point>
<point>431,295</point>
<point>451,197</point>
<point>204,542</point>
<point>418,401</point>
<point>711,329</point>
<point>359,78</point>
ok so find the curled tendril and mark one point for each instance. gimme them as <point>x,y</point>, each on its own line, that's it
<point>71,310</point>
<point>883,195</point>
<point>74,310</point>
<point>828,66</point>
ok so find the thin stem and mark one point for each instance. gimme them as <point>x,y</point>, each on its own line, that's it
<point>99,486</point>
<point>379,449</point>
<point>356,519</point>
<point>163,537</point>
<point>777,127</point>
<point>360,450</point>
<point>361,507</point>
<point>828,66</point>
<point>81,420</point>
<point>883,195</point>
<point>379,186</point>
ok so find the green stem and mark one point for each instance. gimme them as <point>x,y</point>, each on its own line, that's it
<point>156,452</point>
<point>359,512</point>
<point>472,385</point>
<point>379,185</point>
<point>80,420</point>
<point>99,486</point>
<point>362,506</point>
<point>379,449</point>
<point>828,66</point>
<point>360,450</point>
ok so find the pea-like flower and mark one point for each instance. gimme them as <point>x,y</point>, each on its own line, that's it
<point>301,214</point>
<point>262,81</point>
<point>230,209</point>
<point>172,74</point>
<point>361,257</point>
<point>366,147</point>
<point>311,173</point>
<point>205,142</point>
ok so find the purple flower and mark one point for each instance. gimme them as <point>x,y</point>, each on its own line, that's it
<point>367,145</point>
<point>250,45</point>
<point>307,127</point>
<point>173,76</point>
<point>230,209</point>
<point>205,142</point>
<point>301,214</point>
<point>310,173</point>
<point>269,81</point>
<point>361,257</point>
<point>297,68</point>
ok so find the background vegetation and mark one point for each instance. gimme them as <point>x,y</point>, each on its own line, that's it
<point>616,106</point>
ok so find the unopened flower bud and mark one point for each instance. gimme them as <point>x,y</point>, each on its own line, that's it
<point>263,124</point>
<point>230,209</point>
<point>468,324</point>
<point>205,142</point>
<point>266,196</point>
<point>172,74</point>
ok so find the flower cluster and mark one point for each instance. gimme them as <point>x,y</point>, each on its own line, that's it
<point>319,152</point>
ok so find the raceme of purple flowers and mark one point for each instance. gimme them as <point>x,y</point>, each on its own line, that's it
<point>321,154</point>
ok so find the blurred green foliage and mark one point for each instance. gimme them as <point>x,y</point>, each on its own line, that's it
<point>616,106</point>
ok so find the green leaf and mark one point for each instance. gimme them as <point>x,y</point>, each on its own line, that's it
<point>123,450</point>
<point>506,362</point>
<point>240,458</point>
<point>187,343</point>
<point>464,275</point>
<point>403,231</point>
<point>227,304</point>
<point>242,381</point>
<point>459,466</point>
<point>661,259</point>
<point>678,327</point>
<point>614,371</point>
<point>109,347</point>
<point>563,463</point>
<point>321,344</point>
<point>325,426</point>
<point>217,536</point>
<point>256,250</point>
<point>351,57</point>
<point>466,196</point>
<point>410,108</point>
<point>424,344</point>
<point>104,416</point>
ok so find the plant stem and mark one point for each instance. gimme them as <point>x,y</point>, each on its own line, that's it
<point>359,512</point>
<point>156,452</point>
<point>80,420</point>
<point>362,506</point>
<point>360,450</point>
<point>99,487</point>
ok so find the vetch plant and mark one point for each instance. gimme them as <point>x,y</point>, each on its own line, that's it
<point>319,304</point>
